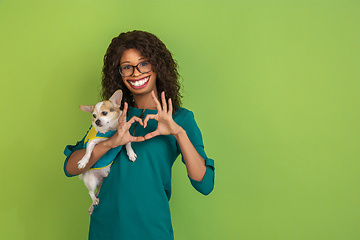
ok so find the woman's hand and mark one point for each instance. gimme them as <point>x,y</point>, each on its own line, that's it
<point>122,136</point>
<point>195,164</point>
<point>166,124</point>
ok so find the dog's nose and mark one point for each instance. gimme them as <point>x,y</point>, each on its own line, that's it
<point>97,122</point>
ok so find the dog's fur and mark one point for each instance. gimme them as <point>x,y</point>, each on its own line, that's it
<point>105,118</point>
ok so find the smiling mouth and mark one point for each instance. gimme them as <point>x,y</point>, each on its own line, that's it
<point>139,83</point>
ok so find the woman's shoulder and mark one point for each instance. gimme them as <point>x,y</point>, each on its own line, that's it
<point>182,114</point>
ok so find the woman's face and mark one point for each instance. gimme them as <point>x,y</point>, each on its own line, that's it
<point>138,83</point>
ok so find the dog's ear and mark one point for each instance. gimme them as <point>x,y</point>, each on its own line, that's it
<point>87,108</point>
<point>116,98</point>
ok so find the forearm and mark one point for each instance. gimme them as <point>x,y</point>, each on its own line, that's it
<point>99,150</point>
<point>195,164</point>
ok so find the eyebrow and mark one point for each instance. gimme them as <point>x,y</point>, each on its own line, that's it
<point>129,61</point>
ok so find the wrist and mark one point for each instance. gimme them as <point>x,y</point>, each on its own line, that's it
<point>107,144</point>
<point>178,134</point>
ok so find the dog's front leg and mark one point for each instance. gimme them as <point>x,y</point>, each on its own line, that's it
<point>130,152</point>
<point>89,148</point>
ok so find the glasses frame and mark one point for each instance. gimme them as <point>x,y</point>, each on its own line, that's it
<point>137,67</point>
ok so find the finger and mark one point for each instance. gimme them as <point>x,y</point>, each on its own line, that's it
<point>137,119</point>
<point>137,139</point>
<point>149,116</point>
<point>163,100</point>
<point>152,134</point>
<point>158,106</point>
<point>122,117</point>
<point>170,106</point>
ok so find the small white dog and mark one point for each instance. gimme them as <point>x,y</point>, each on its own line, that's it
<point>104,124</point>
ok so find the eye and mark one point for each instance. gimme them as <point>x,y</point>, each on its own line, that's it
<point>94,115</point>
<point>143,64</point>
<point>126,67</point>
<point>104,113</point>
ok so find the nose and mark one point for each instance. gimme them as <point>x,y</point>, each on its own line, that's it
<point>97,122</point>
<point>136,72</point>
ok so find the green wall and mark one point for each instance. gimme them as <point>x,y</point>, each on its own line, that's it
<point>274,85</point>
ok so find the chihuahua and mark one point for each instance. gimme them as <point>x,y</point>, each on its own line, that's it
<point>104,124</point>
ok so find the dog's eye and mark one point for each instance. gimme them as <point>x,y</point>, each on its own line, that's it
<point>94,115</point>
<point>104,113</point>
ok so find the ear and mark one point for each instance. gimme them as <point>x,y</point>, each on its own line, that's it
<point>116,98</point>
<point>87,108</point>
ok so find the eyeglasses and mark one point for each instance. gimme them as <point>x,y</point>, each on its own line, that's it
<point>128,70</point>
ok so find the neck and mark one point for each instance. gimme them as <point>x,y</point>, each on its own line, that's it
<point>145,101</point>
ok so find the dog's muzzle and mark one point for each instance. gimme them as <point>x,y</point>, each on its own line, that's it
<point>98,123</point>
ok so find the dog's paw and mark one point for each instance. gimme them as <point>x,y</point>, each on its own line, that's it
<point>96,202</point>
<point>81,164</point>
<point>132,157</point>
<point>91,209</point>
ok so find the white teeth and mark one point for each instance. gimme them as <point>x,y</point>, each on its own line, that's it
<point>139,83</point>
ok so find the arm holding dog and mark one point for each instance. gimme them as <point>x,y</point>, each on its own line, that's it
<point>121,137</point>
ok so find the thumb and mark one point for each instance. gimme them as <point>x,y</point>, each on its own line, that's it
<point>152,134</point>
<point>137,139</point>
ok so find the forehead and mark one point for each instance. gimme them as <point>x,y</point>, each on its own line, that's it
<point>132,56</point>
<point>105,105</point>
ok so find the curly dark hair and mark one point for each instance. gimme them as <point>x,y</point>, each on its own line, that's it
<point>157,55</point>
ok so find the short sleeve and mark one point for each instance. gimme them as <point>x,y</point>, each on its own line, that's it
<point>206,185</point>
<point>104,161</point>
<point>69,149</point>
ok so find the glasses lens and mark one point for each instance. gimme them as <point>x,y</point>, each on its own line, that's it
<point>126,70</point>
<point>144,67</point>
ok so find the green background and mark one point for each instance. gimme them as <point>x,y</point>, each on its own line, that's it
<point>274,86</point>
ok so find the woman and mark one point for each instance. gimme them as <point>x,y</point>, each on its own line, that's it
<point>134,197</point>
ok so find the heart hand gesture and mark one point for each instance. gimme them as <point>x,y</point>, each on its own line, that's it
<point>122,136</point>
<point>166,124</point>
